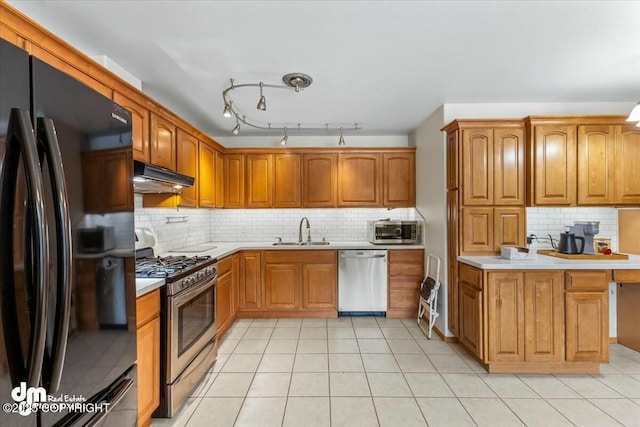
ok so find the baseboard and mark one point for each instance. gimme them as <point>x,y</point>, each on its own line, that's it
<point>613,340</point>
<point>442,336</point>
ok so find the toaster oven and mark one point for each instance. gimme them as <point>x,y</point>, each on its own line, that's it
<point>393,232</point>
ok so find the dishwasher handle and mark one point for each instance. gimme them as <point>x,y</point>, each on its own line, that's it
<point>363,256</point>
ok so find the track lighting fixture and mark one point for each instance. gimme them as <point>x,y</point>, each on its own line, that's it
<point>292,81</point>
<point>262,103</point>
<point>634,116</point>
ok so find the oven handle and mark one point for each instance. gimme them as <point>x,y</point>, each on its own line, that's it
<point>194,290</point>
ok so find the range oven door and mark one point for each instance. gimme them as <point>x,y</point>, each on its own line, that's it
<point>191,325</point>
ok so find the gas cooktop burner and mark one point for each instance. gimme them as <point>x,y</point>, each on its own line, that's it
<point>168,267</point>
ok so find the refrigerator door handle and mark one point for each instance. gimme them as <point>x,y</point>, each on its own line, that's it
<point>21,140</point>
<point>50,149</point>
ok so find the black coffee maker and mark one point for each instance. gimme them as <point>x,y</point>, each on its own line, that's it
<point>568,243</point>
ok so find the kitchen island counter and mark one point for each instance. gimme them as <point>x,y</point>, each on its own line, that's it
<point>544,262</point>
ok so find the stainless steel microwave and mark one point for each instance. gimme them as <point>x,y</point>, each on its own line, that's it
<point>393,232</point>
<point>96,240</point>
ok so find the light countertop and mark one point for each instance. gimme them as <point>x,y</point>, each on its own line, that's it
<point>544,262</point>
<point>223,249</point>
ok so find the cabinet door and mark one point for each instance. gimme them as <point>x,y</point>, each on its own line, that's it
<point>250,285</point>
<point>453,247</point>
<point>596,152</point>
<point>287,181</point>
<point>470,327</point>
<point>235,280</point>
<point>359,178</point>
<point>477,167</point>
<point>282,286</point>
<point>505,317</point>
<point>187,164</point>
<point>510,227</point>
<point>587,326</point>
<point>319,177</point>
<point>224,302</point>
<point>543,316</point>
<point>627,172</point>
<point>92,183</point>
<point>477,230</point>
<point>206,176</point>
<point>139,127</point>
<point>398,179</point>
<point>163,142</point>
<point>148,361</point>
<point>554,165</point>
<point>219,180</point>
<point>319,286</point>
<point>452,160</point>
<point>508,166</point>
<point>118,176</point>
<point>259,180</point>
<point>234,180</point>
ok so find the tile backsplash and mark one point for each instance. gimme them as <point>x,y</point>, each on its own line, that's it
<point>264,225</point>
<point>258,225</point>
<point>545,221</point>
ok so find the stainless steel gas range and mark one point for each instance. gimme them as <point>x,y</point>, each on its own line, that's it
<point>189,325</point>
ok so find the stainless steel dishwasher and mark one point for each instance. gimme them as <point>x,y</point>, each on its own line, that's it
<point>362,282</point>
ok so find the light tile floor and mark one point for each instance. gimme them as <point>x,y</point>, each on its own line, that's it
<point>384,372</point>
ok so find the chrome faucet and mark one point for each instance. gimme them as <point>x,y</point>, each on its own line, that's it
<point>300,230</point>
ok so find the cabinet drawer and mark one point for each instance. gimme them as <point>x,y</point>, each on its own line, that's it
<point>413,256</point>
<point>405,270</point>
<point>586,280</point>
<point>405,282</point>
<point>147,307</point>
<point>403,298</point>
<point>470,275</point>
<point>300,256</point>
<point>626,276</point>
<point>224,265</point>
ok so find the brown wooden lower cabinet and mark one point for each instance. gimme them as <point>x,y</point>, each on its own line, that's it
<point>534,320</point>
<point>225,295</point>
<point>148,361</point>
<point>405,273</point>
<point>289,282</point>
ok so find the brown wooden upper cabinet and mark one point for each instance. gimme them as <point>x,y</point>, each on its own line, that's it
<point>219,180</point>
<point>187,164</point>
<point>163,142</point>
<point>319,180</point>
<point>493,166</point>
<point>596,154</point>
<point>139,127</point>
<point>234,180</point>
<point>485,229</point>
<point>359,179</point>
<point>553,151</point>
<point>206,175</point>
<point>287,177</point>
<point>259,180</point>
<point>627,159</point>
<point>399,179</point>
<point>452,159</point>
<point>114,166</point>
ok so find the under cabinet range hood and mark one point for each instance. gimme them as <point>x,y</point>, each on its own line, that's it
<point>153,179</point>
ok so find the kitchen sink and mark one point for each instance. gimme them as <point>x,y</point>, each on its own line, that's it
<point>323,243</point>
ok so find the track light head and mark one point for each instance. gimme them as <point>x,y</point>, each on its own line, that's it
<point>227,110</point>
<point>262,103</point>
<point>341,140</point>
<point>634,116</point>
<point>236,130</point>
<point>285,138</point>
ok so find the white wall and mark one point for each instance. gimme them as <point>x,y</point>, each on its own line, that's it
<point>296,140</point>
<point>431,166</point>
<point>431,191</point>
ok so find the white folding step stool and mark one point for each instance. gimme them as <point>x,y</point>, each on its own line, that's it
<point>429,294</point>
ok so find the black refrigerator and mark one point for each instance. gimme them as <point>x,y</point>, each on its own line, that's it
<point>59,364</point>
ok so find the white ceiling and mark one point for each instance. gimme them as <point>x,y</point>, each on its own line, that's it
<point>386,65</point>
